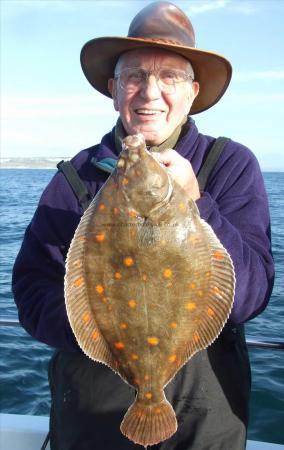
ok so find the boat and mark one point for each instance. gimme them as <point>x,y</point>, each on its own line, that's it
<point>27,432</point>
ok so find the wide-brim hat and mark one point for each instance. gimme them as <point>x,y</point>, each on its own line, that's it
<point>162,25</point>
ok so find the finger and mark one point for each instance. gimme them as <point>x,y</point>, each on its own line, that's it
<point>167,157</point>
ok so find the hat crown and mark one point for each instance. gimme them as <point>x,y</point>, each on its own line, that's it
<point>159,25</point>
<point>164,22</point>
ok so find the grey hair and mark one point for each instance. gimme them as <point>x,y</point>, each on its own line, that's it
<point>190,70</point>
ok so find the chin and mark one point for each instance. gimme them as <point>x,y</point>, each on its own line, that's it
<point>151,137</point>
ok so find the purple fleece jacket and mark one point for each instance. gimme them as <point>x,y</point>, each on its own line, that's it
<point>234,204</point>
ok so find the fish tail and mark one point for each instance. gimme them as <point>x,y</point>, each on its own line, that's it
<point>149,424</point>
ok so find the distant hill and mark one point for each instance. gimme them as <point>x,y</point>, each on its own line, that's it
<point>31,163</point>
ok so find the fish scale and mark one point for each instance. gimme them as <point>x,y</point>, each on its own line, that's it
<point>148,284</point>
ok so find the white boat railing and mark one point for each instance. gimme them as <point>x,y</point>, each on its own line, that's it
<point>252,341</point>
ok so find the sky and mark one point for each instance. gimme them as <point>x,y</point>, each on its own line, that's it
<point>49,109</point>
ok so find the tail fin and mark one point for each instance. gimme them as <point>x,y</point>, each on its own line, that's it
<point>149,424</point>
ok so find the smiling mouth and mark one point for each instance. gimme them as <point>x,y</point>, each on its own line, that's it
<point>148,112</point>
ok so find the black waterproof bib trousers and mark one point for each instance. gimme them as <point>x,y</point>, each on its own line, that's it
<point>210,394</point>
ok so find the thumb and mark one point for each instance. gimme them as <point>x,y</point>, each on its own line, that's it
<point>165,157</point>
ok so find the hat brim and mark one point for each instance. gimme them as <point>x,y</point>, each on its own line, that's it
<point>212,71</point>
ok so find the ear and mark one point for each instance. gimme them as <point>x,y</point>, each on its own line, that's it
<point>111,85</point>
<point>192,94</point>
<point>195,88</point>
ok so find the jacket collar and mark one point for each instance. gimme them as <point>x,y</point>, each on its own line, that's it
<point>107,152</point>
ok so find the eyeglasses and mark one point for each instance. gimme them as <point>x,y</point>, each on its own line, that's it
<point>133,78</point>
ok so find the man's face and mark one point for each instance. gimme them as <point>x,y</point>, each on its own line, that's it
<point>150,110</point>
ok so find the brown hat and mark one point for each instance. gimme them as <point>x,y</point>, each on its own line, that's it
<point>163,25</point>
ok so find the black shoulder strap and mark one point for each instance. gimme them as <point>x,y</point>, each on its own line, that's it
<point>85,198</point>
<point>77,185</point>
<point>210,161</point>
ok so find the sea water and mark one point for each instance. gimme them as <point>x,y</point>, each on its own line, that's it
<point>24,361</point>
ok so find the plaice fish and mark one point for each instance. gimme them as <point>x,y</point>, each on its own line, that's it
<point>148,284</point>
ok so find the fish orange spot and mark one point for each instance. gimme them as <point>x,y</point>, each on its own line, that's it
<point>136,381</point>
<point>95,335</point>
<point>123,326</point>
<point>132,213</point>
<point>167,273</point>
<point>163,242</point>
<point>173,324</point>
<point>208,274</point>
<point>86,317</point>
<point>134,356</point>
<point>117,275</point>
<point>100,237</point>
<point>169,285</point>
<point>146,377</point>
<point>157,410</point>
<point>216,290</point>
<point>192,285</point>
<point>125,181</point>
<point>153,340</point>
<point>132,304</point>
<point>210,312</point>
<point>172,358</point>
<point>104,299</point>
<point>191,306</point>
<point>82,238</point>
<point>148,395</point>
<point>102,207</point>
<point>115,211</point>
<point>128,261</point>
<point>119,345</point>
<point>218,255</point>
<point>196,337</point>
<point>78,282</point>
<point>99,288</point>
<point>144,277</point>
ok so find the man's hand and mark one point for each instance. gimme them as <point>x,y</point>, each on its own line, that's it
<point>180,170</point>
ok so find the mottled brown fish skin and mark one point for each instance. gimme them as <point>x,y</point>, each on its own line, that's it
<point>148,284</point>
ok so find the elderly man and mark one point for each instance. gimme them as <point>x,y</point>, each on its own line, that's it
<point>156,77</point>
<point>156,108</point>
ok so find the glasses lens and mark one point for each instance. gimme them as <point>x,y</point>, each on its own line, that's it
<point>131,79</point>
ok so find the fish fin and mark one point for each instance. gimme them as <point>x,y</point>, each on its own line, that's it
<point>149,424</point>
<point>78,304</point>
<point>218,299</point>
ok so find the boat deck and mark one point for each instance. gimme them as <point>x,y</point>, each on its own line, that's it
<point>20,432</point>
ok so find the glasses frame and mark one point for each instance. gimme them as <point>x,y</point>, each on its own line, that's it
<point>163,87</point>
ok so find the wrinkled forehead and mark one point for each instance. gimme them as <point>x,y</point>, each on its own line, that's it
<point>152,58</point>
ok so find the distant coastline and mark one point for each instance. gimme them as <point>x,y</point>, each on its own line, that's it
<point>31,163</point>
<point>51,162</point>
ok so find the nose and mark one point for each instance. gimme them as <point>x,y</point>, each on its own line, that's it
<point>150,88</point>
